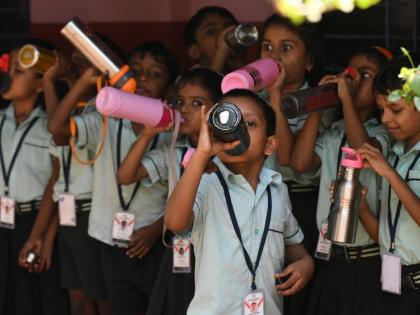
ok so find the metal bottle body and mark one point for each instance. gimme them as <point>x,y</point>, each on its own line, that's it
<point>228,125</point>
<point>37,58</point>
<point>92,47</point>
<point>342,219</point>
<point>242,36</point>
<point>308,100</point>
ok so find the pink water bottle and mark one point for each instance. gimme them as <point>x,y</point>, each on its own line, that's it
<point>144,110</point>
<point>255,76</point>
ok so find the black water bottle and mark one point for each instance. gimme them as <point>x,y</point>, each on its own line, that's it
<point>228,125</point>
<point>4,82</point>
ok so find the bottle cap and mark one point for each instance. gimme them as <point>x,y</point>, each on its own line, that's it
<point>351,158</point>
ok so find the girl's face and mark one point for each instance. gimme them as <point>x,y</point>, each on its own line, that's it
<point>401,119</point>
<point>364,98</point>
<point>25,82</point>
<point>280,44</point>
<point>151,76</point>
<point>188,101</point>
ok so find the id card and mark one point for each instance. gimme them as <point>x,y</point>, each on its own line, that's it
<point>67,210</point>
<point>7,212</point>
<point>324,246</point>
<point>254,303</point>
<point>391,274</point>
<point>123,227</point>
<point>181,254</point>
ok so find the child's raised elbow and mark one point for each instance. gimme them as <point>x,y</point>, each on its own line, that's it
<point>174,224</point>
<point>299,166</point>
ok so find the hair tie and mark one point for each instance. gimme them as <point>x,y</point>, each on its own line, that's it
<point>386,52</point>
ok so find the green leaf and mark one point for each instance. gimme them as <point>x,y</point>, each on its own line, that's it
<point>394,96</point>
<point>406,53</point>
<point>417,102</point>
<point>415,84</point>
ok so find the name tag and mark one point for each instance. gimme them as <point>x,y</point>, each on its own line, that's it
<point>254,303</point>
<point>123,227</point>
<point>324,246</point>
<point>391,274</point>
<point>7,212</point>
<point>181,255</point>
<point>67,210</point>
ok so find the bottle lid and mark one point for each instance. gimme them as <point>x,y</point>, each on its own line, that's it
<point>225,117</point>
<point>351,158</point>
<point>246,34</point>
<point>28,56</point>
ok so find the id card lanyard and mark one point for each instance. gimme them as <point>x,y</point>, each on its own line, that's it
<point>252,267</point>
<point>66,169</point>
<point>392,225</point>
<point>6,173</point>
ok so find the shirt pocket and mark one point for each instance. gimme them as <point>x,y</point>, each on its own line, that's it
<point>37,154</point>
<point>275,239</point>
<point>414,181</point>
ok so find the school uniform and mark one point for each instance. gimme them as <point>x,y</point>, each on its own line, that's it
<point>173,291</point>
<point>129,280</point>
<point>345,283</point>
<point>407,234</point>
<point>79,253</point>
<point>29,175</point>
<point>222,276</point>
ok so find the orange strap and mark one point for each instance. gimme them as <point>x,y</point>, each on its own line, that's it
<point>73,129</point>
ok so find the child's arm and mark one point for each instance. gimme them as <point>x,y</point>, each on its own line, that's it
<point>179,210</point>
<point>368,219</point>
<point>408,198</point>
<point>144,238</point>
<point>355,131</point>
<point>131,169</point>
<point>299,270</point>
<point>223,50</point>
<point>43,219</point>
<point>59,124</point>
<point>45,256</point>
<point>284,134</point>
<point>304,157</point>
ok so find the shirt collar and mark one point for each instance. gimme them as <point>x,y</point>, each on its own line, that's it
<point>399,148</point>
<point>37,112</point>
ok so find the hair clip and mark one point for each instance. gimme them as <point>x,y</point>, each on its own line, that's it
<point>4,63</point>
<point>411,88</point>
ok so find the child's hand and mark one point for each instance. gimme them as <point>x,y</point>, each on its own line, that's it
<point>209,147</point>
<point>373,158</point>
<point>278,85</point>
<point>151,132</point>
<point>143,239</point>
<point>44,263</point>
<point>346,86</point>
<point>363,206</point>
<point>298,274</point>
<point>31,245</point>
<point>59,69</point>
<point>90,77</point>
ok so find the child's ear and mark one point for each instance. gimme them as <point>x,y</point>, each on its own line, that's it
<point>270,145</point>
<point>193,52</point>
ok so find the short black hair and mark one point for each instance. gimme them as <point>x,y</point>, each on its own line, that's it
<point>268,112</point>
<point>387,79</point>
<point>206,78</point>
<point>310,36</point>
<point>197,19</point>
<point>161,54</point>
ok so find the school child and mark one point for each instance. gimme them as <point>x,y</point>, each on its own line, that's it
<point>204,37</point>
<point>298,53</point>
<point>344,281</point>
<point>26,204</point>
<point>199,87</point>
<point>79,253</point>
<point>399,221</point>
<point>243,230</point>
<point>130,269</point>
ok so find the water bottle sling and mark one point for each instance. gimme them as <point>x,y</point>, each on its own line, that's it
<point>6,173</point>
<point>393,225</point>
<point>252,268</point>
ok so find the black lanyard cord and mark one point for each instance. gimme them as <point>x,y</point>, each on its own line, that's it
<point>66,169</point>
<point>393,225</point>
<point>252,268</point>
<point>6,173</point>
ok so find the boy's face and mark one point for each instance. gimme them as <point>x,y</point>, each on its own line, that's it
<point>25,82</point>
<point>260,144</point>
<point>364,98</point>
<point>401,119</point>
<point>206,36</point>
<point>281,44</point>
<point>151,76</point>
<point>188,101</point>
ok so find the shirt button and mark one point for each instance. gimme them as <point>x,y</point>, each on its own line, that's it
<point>257,231</point>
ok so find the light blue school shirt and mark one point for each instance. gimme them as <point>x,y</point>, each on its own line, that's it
<point>407,237</point>
<point>148,204</point>
<point>327,148</point>
<point>222,277</point>
<point>33,166</point>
